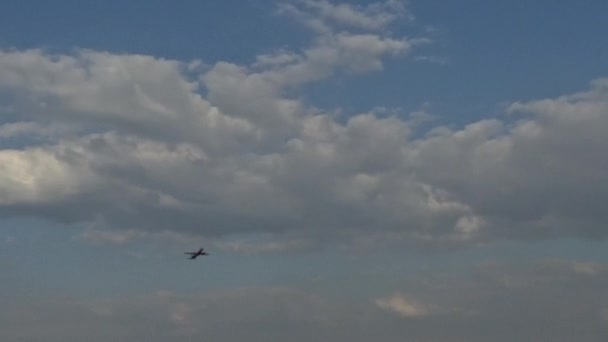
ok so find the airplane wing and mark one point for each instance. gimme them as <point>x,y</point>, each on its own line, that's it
<point>193,255</point>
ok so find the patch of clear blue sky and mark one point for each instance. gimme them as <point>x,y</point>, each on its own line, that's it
<point>498,51</point>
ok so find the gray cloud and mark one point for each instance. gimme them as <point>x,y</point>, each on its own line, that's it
<point>540,176</point>
<point>140,143</point>
<point>269,314</point>
<point>554,300</point>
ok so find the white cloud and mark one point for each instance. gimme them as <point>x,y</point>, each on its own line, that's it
<point>247,159</point>
<point>544,171</point>
<point>335,50</point>
<point>35,176</point>
<point>141,146</point>
<point>403,306</point>
<point>222,160</point>
<point>322,14</point>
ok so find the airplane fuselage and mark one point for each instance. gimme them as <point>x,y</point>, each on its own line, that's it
<point>194,255</point>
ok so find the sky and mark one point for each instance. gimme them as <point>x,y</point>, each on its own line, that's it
<point>388,171</point>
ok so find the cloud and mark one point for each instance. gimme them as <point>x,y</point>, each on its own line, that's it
<point>153,145</point>
<point>323,16</point>
<point>263,246</point>
<point>34,176</point>
<point>539,176</point>
<point>337,50</point>
<point>556,300</point>
<point>403,306</point>
<point>432,60</point>
<point>102,236</point>
<point>99,91</point>
<point>18,128</point>
<point>269,314</point>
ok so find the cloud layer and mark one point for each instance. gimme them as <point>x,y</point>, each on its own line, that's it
<point>553,300</point>
<point>142,143</point>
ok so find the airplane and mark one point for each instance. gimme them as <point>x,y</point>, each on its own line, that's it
<point>200,252</point>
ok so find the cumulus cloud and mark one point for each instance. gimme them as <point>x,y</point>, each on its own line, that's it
<point>539,176</point>
<point>148,144</point>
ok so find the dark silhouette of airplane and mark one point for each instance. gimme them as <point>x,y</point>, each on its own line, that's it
<point>194,255</point>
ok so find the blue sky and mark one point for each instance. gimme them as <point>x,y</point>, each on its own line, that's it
<point>428,170</point>
<point>501,51</point>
